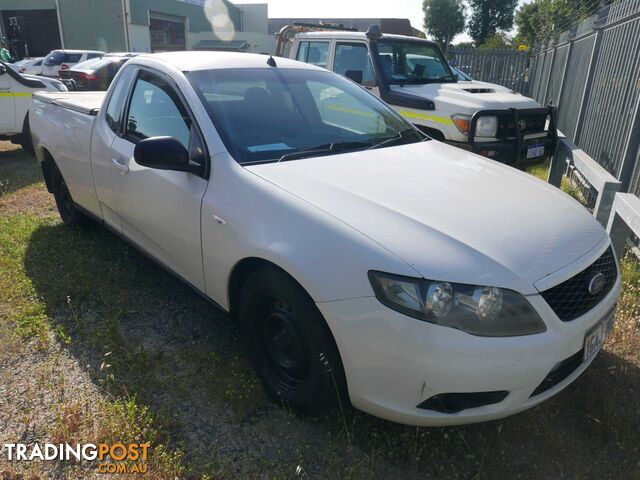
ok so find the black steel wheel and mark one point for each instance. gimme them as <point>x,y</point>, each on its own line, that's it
<point>290,344</point>
<point>69,213</point>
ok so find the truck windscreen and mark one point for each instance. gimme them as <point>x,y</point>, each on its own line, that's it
<point>413,62</point>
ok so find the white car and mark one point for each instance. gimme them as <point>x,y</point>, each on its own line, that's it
<point>363,260</point>
<point>58,60</point>
<point>16,90</point>
<point>30,66</point>
<point>412,75</point>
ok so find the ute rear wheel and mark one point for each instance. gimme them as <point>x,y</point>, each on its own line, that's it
<point>66,207</point>
<point>290,344</point>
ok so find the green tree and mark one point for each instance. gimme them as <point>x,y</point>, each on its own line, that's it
<point>528,23</point>
<point>497,40</point>
<point>443,20</point>
<point>542,20</point>
<point>489,16</point>
<point>464,45</point>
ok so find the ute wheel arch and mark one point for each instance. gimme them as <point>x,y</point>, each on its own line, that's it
<point>48,165</point>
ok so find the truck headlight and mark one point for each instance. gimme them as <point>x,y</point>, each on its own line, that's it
<point>475,309</point>
<point>487,126</point>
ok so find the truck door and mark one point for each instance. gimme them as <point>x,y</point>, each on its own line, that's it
<point>354,57</point>
<point>7,104</point>
<point>159,210</point>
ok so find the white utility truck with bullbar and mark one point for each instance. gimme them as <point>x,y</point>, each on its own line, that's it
<point>412,75</point>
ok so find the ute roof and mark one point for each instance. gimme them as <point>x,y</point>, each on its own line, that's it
<point>192,61</point>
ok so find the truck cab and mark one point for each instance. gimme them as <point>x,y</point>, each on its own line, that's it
<point>412,75</point>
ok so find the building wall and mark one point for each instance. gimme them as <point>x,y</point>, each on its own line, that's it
<point>93,25</point>
<point>259,42</point>
<point>198,21</point>
<point>139,39</point>
<point>98,24</point>
<point>255,17</point>
<point>27,4</point>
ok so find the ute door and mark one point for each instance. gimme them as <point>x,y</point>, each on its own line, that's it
<point>7,103</point>
<point>109,126</point>
<point>159,210</point>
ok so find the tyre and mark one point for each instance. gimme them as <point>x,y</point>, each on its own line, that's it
<point>290,344</point>
<point>66,207</point>
<point>25,139</point>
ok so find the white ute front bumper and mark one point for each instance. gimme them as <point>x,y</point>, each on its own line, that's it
<point>393,363</point>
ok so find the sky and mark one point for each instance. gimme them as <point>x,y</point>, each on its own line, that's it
<point>411,9</point>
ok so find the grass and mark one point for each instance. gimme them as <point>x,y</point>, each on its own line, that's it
<point>161,364</point>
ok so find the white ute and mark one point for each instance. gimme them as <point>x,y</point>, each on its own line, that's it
<point>362,259</point>
<point>16,90</point>
<point>412,75</point>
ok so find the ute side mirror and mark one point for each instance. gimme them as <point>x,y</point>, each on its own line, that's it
<point>355,75</point>
<point>164,153</point>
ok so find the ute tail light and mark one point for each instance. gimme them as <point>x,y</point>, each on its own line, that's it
<point>64,66</point>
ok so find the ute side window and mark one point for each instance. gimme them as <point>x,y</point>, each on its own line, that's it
<point>156,111</point>
<point>117,100</point>
<point>354,56</point>
<point>315,53</point>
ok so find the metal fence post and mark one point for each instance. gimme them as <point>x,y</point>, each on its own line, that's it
<point>554,55</point>
<point>558,165</point>
<point>564,73</point>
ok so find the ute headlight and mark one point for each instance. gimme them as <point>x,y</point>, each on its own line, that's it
<point>475,309</point>
<point>487,126</point>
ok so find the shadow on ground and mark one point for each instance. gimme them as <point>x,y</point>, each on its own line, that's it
<point>18,169</point>
<point>178,354</point>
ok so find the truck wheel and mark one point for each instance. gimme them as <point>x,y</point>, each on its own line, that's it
<point>66,207</point>
<point>25,139</point>
<point>290,344</point>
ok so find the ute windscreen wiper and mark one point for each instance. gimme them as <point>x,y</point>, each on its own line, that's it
<point>400,136</point>
<point>324,149</point>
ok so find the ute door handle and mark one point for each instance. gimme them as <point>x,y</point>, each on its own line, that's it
<point>120,166</point>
